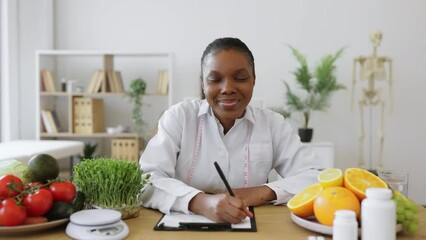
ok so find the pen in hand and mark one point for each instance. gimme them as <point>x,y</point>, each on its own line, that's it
<point>222,176</point>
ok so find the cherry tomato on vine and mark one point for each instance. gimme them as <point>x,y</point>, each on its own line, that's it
<point>63,191</point>
<point>10,186</point>
<point>33,185</point>
<point>11,214</point>
<point>38,203</point>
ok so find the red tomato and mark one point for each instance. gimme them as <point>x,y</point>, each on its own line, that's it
<point>10,186</point>
<point>38,203</point>
<point>34,220</point>
<point>63,191</point>
<point>33,185</point>
<point>11,214</point>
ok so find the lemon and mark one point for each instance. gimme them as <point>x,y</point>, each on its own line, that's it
<point>331,177</point>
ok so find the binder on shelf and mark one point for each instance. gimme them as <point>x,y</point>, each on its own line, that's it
<point>125,149</point>
<point>77,115</point>
<point>88,115</point>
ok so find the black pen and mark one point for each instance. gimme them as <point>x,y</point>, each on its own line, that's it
<point>219,170</point>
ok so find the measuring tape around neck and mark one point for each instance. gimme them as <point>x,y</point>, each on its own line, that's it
<point>197,151</point>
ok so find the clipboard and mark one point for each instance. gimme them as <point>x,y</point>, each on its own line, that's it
<point>185,222</point>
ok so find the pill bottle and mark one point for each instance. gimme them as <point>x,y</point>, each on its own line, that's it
<point>345,225</point>
<point>378,215</point>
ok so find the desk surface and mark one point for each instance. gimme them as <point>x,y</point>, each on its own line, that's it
<point>273,222</point>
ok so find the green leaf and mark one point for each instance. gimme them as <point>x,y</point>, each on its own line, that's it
<point>135,93</point>
<point>317,87</point>
<point>109,182</point>
<point>303,76</point>
<point>294,102</point>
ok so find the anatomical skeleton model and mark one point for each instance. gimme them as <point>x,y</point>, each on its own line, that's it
<point>372,70</point>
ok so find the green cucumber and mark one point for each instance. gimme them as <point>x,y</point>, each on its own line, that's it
<point>78,202</point>
<point>60,210</point>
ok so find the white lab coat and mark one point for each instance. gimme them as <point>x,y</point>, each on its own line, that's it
<point>169,156</point>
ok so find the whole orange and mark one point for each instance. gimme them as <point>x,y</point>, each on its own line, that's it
<point>332,199</point>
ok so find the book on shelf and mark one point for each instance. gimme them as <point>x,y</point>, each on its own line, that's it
<point>99,82</point>
<point>48,83</point>
<point>111,84</point>
<point>56,120</point>
<point>118,81</point>
<point>48,121</point>
<point>93,80</point>
<point>162,81</point>
<point>105,81</point>
<point>42,87</point>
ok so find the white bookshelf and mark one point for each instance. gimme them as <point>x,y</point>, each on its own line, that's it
<point>79,67</point>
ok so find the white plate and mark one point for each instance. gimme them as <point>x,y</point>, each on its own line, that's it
<point>312,224</point>
<point>31,227</point>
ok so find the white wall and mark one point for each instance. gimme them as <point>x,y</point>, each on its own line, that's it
<point>316,28</point>
<point>26,26</point>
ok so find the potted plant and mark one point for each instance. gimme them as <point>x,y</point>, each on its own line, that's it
<point>135,93</point>
<point>88,151</point>
<point>112,184</point>
<point>316,89</point>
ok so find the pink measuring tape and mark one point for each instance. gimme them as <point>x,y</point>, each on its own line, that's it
<point>197,150</point>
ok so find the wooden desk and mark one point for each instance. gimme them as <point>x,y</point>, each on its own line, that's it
<point>273,222</point>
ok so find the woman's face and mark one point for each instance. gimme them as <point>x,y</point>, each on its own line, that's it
<point>227,83</point>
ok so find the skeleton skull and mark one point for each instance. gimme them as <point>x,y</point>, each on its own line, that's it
<point>376,37</point>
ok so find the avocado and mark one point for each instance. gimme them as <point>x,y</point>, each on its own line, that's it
<point>43,167</point>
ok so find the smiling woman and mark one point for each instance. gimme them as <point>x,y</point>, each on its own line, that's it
<point>228,80</point>
<point>247,142</point>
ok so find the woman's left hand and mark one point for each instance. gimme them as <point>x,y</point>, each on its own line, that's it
<point>255,196</point>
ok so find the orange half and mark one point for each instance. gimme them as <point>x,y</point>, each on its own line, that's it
<point>302,204</point>
<point>358,180</point>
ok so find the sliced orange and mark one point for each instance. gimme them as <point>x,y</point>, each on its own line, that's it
<point>358,180</point>
<point>331,177</point>
<point>302,204</point>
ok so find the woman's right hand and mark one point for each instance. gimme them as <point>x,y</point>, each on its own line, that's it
<point>219,207</point>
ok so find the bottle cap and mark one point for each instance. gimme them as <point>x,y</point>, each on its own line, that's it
<point>345,215</point>
<point>378,193</point>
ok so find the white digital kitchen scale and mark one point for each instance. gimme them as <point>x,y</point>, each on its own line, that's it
<point>97,224</point>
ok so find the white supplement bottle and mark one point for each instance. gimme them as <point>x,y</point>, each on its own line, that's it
<point>345,226</point>
<point>378,215</point>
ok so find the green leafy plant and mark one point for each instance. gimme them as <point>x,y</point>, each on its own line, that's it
<point>317,87</point>
<point>110,183</point>
<point>88,150</point>
<point>135,93</point>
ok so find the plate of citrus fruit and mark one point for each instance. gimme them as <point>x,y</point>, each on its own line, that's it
<point>314,207</point>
